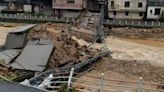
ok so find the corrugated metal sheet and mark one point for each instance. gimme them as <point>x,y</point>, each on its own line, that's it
<point>33,57</point>
<point>14,87</point>
<point>8,55</point>
<point>16,39</point>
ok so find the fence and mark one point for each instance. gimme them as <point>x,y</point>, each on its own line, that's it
<point>72,80</point>
<point>35,18</point>
<point>43,18</point>
<point>135,23</point>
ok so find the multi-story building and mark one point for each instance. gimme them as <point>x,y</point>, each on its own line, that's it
<point>68,8</point>
<point>127,9</point>
<point>155,9</point>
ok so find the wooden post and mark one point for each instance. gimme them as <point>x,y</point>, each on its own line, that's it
<point>101,82</point>
<point>70,78</point>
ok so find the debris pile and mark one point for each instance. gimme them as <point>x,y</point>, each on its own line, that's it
<point>3,68</point>
<point>85,27</point>
<point>67,51</point>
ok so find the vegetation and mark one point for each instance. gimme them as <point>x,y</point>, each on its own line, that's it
<point>64,88</point>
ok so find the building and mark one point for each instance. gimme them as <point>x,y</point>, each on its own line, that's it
<point>68,8</point>
<point>3,6</point>
<point>27,6</point>
<point>42,6</point>
<point>16,6</point>
<point>127,9</point>
<point>155,9</point>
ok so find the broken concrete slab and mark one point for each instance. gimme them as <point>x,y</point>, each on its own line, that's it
<point>8,55</point>
<point>39,42</point>
<point>16,39</point>
<point>23,29</point>
<point>33,57</point>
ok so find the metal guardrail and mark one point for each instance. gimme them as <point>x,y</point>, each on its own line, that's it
<point>98,84</point>
<point>134,23</point>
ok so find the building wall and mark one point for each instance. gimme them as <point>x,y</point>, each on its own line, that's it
<point>133,9</point>
<point>62,4</point>
<point>3,7</point>
<point>27,8</point>
<point>15,7</point>
<point>151,12</point>
<point>93,5</point>
<point>66,13</point>
<point>121,15</point>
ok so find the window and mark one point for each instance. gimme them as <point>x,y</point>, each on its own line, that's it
<point>126,13</point>
<point>140,13</point>
<point>114,13</point>
<point>140,5</point>
<point>112,3</point>
<point>42,6</point>
<point>151,11</point>
<point>70,1</point>
<point>127,4</point>
<point>157,11</point>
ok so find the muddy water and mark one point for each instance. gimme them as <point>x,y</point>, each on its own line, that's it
<point>149,42</point>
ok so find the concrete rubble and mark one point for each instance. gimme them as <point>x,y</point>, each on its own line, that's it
<point>46,48</point>
<point>85,27</point>
<point>67,51</point>
<point>43,48</point>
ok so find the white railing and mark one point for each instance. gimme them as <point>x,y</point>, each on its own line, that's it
<point>37,17</point>
<point>100,84</point>
<point>135,23</point>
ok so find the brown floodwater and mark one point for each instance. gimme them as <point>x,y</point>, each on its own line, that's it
<point>149,42</point>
